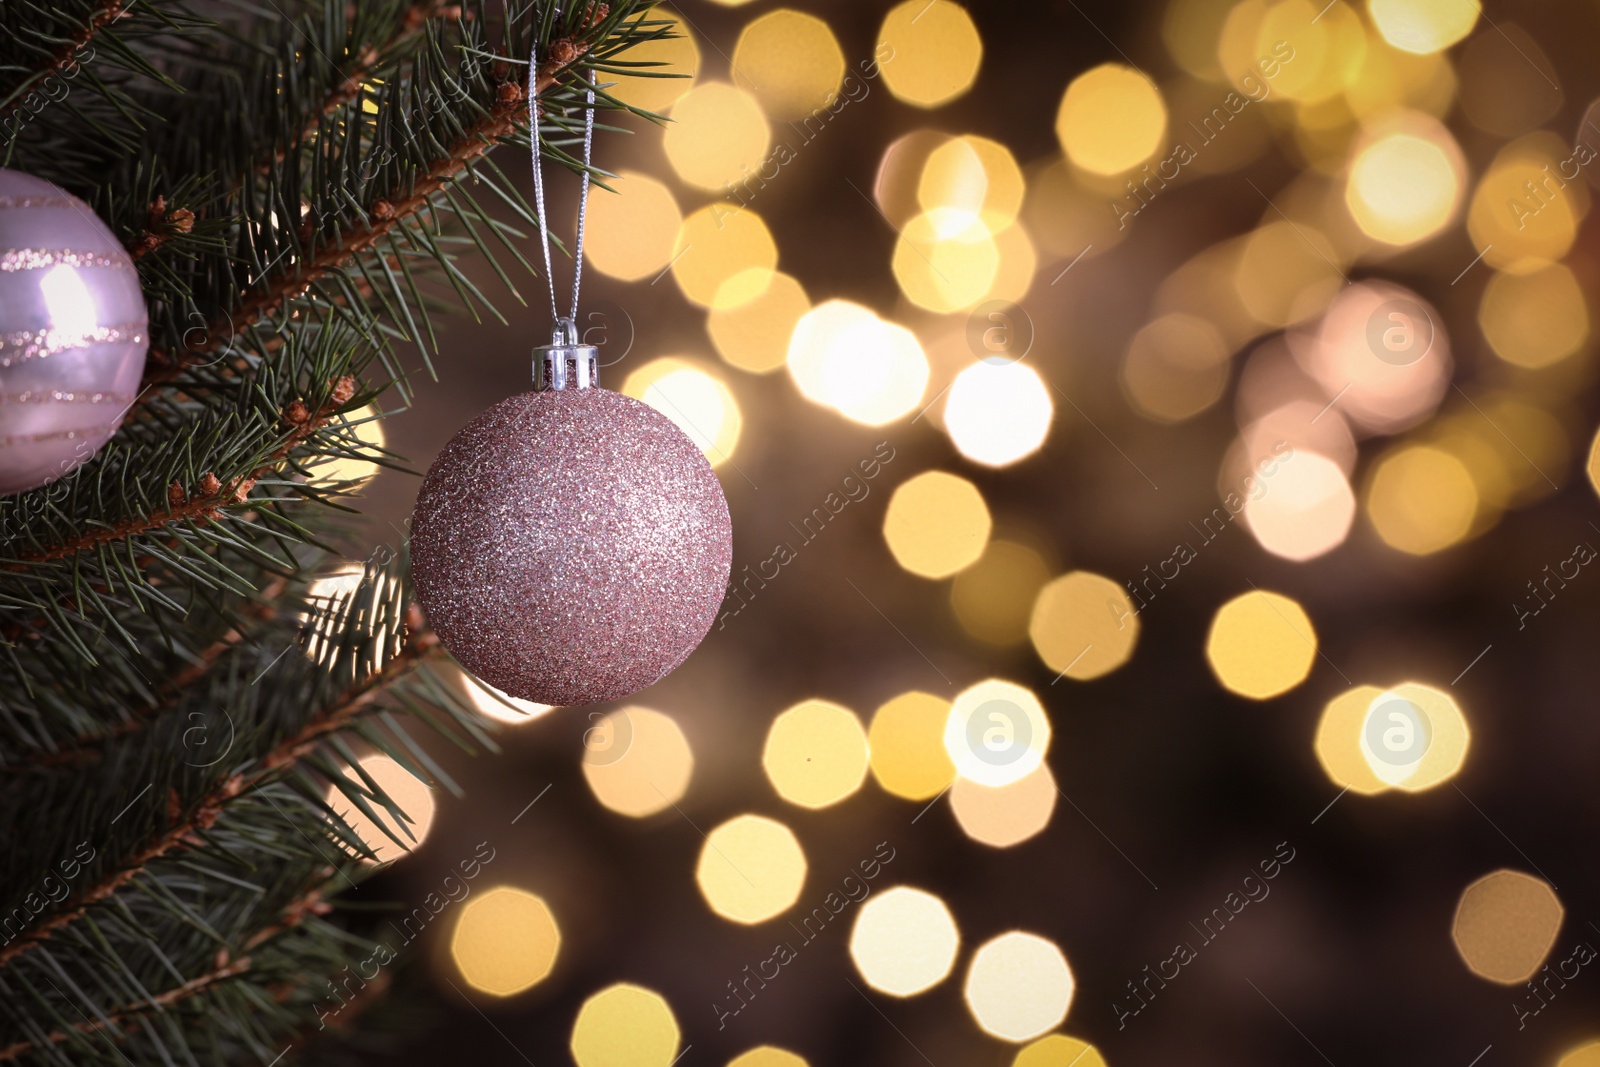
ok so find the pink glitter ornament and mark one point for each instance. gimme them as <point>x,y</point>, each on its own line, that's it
<point>571,545</point>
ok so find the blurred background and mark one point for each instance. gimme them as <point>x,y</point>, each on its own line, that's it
<point>1192,401</point>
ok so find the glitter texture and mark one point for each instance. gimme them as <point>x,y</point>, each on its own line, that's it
<point>571,547</point>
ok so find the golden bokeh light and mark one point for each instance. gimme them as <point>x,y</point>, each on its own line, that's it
<point>1190,30</point>
<point>1328,45</point>
<point>1508,84</point>
<point>677,54</point>
<point>1059,1050</point>
<point>1505,925</point>
<point>505,941</point>
<point>791,61</point>
<point>1587,1055</point>
<point>936,524</point>
<point>843,356</point>
<point>1287,272</point>
<point>946,260</point>
<point>1421,499</point>
<point>388,834</point>
<point>1339,745</point>
<point>1404,188</point>
<point>717,137</point>
<point>897,189</point>
<point>816,754</point>
<point>997,733</point>
<point>366,423</point>
<point>1534,320</point>
<point>1261,644</point>
<point>1111,119</point>
<point>1415,737</point>
<point>716,243</point>
<point>699,404</point>
<point>904,941</point>
<point>906,746</point>
<point>929,52</point>
<point>998,412</point>
<point>975,176</point>
<point>1176,367</point>
<point>754,334</point>
<point>1018,986</point>
<point>632,233</point>
<point>625,1025</point>
<point>1521,217</point>
<point>768,1056</point>
<point>1423,26</point>
<point>1083,625</point>
<point>1066,218</point>
<point>993,598</point>
<point>493,704</point>
<point>1303,509</point>
<point>750,869</point>
<point>645,766</point>
<point>1005,815</point>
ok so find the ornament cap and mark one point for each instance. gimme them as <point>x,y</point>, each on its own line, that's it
<point>564,363</point>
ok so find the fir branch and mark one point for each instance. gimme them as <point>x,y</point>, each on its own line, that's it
<point>419,643</point>
<point>227,967</point>
<point>497,123</point>
<point>212,496</point>
<point>103,14</point>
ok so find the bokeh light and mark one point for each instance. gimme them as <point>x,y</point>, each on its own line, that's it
<point>366,423</point>
<point>997,733</point>
<point>936,524</point>
<point>699,404</point>
<point>1261,644</point>
<point>1534,320</point>
<point>716,243</point>
<point>1175,368</point>
<point>993,598</point>
<point>1303,509</point>
<point>1018,986</point>
<point>904,941</point>
<point>1111,119</point>
<point>1381,354</point>
<point>1005,815</point>
<point>1083,625</point>
<point>1424,26</point>
<point>768,1056</point>
<point>1059,1050</point>
<point>1508,84</point>
<point>717,137</point>
<point>1404,188</point>
<point>906,746</point>
<point>388,834</point>
<point>1287,273</point>
<point>632,232</point>
<point>929,52</point>
<point>790,61</point>
<point>1588,1055</point>
<point>843,356</point>
<point>674,54</point>
<point>946,260</point>
<point>625,1025</point>
<point>505,940</point>
<point>1421,499</point>
<point>816,754</point>
<point>1519,218</point>
<point>754,334</point>
<point>975,176</point>
<point>998,412</point>
<point>750,869</point>
<point>501,707</point>
<point>1412,737</point>
<point>1338,741</point>
<point>1505,925</point>
<point>646,767</point>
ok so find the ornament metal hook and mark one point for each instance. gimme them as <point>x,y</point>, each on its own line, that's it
<point>566,362</point>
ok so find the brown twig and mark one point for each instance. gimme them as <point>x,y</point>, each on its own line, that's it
<point>226,967</point>
<point>107,11</point>
<point>419,642</point>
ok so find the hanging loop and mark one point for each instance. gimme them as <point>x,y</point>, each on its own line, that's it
<point>538,186</point>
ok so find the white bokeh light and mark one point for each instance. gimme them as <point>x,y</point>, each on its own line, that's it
<point>998,412</point>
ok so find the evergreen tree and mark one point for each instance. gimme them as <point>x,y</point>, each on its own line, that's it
<point>289,180</point>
